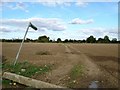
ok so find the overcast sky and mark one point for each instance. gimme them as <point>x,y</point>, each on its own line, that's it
<point>59,19</point>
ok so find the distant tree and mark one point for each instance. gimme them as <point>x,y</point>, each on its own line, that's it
<point>100,40</point>
<point>91,39</point>
<point>3,40</point>
<point>16,40</point>
<point>71,40</point>
<point>27,40</point>
<point>50,41</point>
<point>59,40</point>
<point>79,41</point>
<point>118,41</point>
<point>66,40</point>
<point>35,40</point>
<point>106,39</point>
<point>43,39</point>
<point>75,41</point>
<point>114,40</point>
<point>83,41</point>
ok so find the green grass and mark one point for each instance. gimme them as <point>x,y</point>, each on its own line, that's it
<point>6,82</point>
<point>29,68</point>
<point>76,71</point>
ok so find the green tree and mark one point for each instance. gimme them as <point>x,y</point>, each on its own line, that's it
<point>83,41</point>
<point>106,39</point>
<point>27,40</point>
<point>50,41</point>
<point>71,40</point>
<point>59,40</point>
<point>43,39</point>
<point>100,40</point>
<point>91,39</point>
<point>114,40</point>
<point>66,40</point>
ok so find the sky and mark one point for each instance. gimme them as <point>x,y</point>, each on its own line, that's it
<point>59,19</point>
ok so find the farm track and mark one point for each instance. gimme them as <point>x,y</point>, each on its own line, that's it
<point>97,72</point>
<point>93,71</point>
<point>61,71</point>
<point>74,57</point>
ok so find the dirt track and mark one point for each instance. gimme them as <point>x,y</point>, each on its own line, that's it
<point>100,61</point>
<point>95,72</point>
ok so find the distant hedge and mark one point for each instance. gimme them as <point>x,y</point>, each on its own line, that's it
<point>45,39</point>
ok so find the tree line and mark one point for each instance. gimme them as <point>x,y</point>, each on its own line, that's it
<point>45,39</point>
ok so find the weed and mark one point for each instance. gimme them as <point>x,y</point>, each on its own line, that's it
<point>26,69</point>
<point>76,71</point>
<point>6,81</point>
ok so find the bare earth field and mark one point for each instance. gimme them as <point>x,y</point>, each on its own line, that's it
<point>100,62</point>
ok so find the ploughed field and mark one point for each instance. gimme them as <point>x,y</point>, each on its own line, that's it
<point>74,65</point>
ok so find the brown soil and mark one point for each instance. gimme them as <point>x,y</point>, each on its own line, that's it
<point>100,61</point>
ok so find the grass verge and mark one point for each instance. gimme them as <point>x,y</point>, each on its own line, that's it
<point>76,73</point>
<point>26,69</point>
